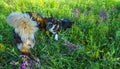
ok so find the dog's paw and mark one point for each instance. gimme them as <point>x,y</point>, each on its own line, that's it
<point>56,37</point>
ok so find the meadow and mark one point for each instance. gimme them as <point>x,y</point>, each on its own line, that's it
<point>94,36</point>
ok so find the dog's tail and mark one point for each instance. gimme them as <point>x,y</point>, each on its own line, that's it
<point>23,24</point>
<point>18,19</point>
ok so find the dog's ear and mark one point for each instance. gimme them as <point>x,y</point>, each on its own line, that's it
<point>66,23</point>
<point>52,19</point>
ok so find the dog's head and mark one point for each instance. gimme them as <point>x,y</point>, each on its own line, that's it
<point>53,25</point>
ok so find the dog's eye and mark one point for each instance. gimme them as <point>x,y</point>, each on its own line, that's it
<point>49,25</point>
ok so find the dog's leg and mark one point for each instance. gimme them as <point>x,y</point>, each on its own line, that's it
<point>26,51</point>
<point>56,37</point>
<point>23,47</point>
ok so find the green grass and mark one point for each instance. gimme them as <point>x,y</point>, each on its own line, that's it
<point>97,38</point>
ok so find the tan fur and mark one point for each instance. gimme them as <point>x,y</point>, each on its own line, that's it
<point>25,27</point>
<point>22,21</point>
<point>25,50</point>
<point>37,18</point>
<point>40,20</point>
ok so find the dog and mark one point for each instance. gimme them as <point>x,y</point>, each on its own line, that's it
<point>26,24</point>
<point>54,26</point>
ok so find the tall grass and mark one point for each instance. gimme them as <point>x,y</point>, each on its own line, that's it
<point>95,32</point>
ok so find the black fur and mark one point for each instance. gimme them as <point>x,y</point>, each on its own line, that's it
<point>17,39</point>
<point>66,23</point>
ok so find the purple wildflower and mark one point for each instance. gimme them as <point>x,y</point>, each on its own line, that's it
<point>1,64</point>
<point>69,45</point>
<point>76,12</point>
<point>66,43</point>
<point>24,62</point>
<point>23,56</point>
<point>23,66</point>
<point>103,14</point>
<point>30,61</point>
<point>73,47</point>
<point>113,9</point>
<point>28,64</point>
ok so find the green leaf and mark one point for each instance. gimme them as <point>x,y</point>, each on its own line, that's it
<point>1,37</point>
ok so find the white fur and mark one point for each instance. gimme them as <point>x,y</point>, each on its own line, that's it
<point>51,29</point>
<point>57,27</point>
<point>19,46</point>
<point>56,37</point>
